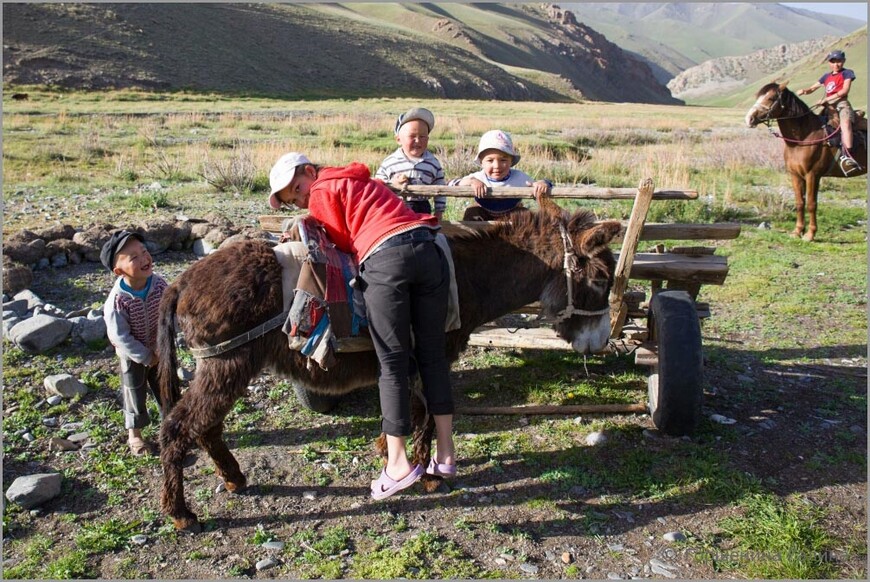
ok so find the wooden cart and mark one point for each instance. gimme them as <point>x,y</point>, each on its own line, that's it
<point>662,331</point>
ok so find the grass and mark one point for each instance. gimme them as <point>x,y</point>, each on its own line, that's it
<point>766,314</point>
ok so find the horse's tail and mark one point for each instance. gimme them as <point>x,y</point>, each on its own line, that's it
<point>167,367</point>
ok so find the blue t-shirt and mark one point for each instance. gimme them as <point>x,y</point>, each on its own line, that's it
<point>142,293</point>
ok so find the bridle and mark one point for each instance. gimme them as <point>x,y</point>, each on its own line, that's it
<point>571,265</point>
<point>767,120</point>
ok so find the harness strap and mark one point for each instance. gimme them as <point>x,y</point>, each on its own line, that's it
<point>571,264</point>
<point>231,344</point>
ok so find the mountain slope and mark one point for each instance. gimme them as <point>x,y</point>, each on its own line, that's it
<point>484,51</point>
<point>672,37</point>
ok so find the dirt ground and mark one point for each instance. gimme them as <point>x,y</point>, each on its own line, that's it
<point>503,518</point>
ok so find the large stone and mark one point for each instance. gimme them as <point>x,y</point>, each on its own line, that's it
<point>88,330</point>
<point>16,277</point>
<point>202,248</point>
<point>22,236</point>
<point>65,385</point>
<point>33,490</point>
<point>61,248</point>
<point>26,253</point>
<point>33,300</point>
<point>40,333</point>
<point>58,232</point>
<point>19,306</point>
<point>91,240</point>
<point>218,235</point>
<point>158,235</point>
<point>199,230</point>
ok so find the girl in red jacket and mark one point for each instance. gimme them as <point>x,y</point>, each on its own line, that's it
<point>405,280</point>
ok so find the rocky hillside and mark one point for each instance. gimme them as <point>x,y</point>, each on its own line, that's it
<point>726,74</point>
<point>321,51</point>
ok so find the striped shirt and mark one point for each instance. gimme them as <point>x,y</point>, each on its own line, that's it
<point>426,172</point>
<point>131,322</point>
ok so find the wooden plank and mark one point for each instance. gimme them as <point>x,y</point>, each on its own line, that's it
<point>535,338</point>
<point>709,269</point>
<point>651,231</point>
<point>642,201</point>
<point>569,192</point>
<point>646,356</point>
<point>555,409</point>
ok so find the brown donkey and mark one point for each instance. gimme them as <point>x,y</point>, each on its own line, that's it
<point>498,269</point>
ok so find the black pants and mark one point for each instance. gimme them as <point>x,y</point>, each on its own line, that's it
<point>136,381</point>
<point>405,287</point>
<point>421,206</point>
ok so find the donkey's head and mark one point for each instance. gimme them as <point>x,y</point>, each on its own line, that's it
<point>578,300</point>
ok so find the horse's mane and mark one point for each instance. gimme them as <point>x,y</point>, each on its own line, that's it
<point>792,106</point>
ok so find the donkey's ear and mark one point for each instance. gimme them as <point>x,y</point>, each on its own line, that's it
<point>599,236</point>
<point>783,85</point>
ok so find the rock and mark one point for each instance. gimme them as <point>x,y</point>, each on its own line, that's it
<point>16,277</point>
<point>596,438</point>
<point>78,438</point>
<point>28,436</point>
<point>57,444</point>
<point>266,564</point>
<point>53,233</point>
<point>718,418</point>
<point>91,240</point>
<point>278,546</point>
<point>566,557</point>
<point>83,312</point>
<point>310,495</point>
<point>764,226</point>
<point>662,568</point>
<point>9,323</point>
<point>34,490</point>
<point>33,300</point>
<point>26,253</point>
<point>54,400</point>
<point>500,562</point>
<point>139,539</point>
<point>184,374</point>
<point>158,235</point>
<point>65,385</point>
<point>40,333</point>
<point>674,536</point>
<point>16,306</point>
<point>218,235</point>
<point>202,248</point>
<point>529,568</point>
<point>49,309</point>
<point>61,248</point>
<point>87,330</point>
<point>613,576</point>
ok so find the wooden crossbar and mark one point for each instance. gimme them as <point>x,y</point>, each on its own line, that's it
<point>571,192</point>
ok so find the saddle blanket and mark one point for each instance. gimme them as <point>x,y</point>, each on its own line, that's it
<point>324,305</point>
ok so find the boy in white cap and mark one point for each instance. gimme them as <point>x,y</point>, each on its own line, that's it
<point>131,314</point>
<point>497,158</point>
<point>412,163</point>
<point>837,84</point>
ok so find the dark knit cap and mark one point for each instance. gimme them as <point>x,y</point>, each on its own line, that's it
<point>115,243</point>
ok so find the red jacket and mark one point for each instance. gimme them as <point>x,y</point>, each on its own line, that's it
<point>358,212</point>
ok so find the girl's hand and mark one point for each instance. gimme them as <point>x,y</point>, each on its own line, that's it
<point>480,189</point>
<point>540,188</point>
<point>400,180</point>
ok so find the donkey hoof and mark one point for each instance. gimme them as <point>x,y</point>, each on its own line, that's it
<point>187,524</point>
<point>236,486</point>
<point>431,484</point>
<point>809,236</point>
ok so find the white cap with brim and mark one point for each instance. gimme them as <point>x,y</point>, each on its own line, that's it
<point>282,174</point>
<point>497,139</point>
<point>420,113</point>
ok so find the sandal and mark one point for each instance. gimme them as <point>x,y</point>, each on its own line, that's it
<point>386,486</point>
<point>441,469</point>
<point>140,447</point>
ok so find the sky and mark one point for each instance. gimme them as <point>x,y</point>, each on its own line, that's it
<point>851,9</point>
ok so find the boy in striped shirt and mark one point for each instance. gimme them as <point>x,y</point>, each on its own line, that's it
<point>412,163</point>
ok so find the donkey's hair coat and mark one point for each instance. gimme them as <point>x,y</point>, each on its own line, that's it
<point>498,269</point>
<point>808,156</point>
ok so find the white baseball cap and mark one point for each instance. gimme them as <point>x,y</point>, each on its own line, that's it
<point>282,174</point>
<point>497,139</point>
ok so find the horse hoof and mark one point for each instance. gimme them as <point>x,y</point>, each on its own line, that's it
<point>809,237</point>
<point>187,524</point>
<point>236,487</point>
<point>795,234</point>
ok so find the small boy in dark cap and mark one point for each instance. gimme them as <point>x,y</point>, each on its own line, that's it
<point>131,314</point>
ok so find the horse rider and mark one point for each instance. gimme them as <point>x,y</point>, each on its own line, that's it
<point>837,84</point>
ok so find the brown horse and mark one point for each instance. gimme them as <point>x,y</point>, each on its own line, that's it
<point>498,269</point>
<point>808,155</point>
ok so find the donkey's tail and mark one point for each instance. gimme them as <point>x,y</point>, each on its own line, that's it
<point>167,374</point>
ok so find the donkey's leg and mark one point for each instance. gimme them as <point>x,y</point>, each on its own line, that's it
<point>175,441</point>
<point>812,182</point>
<point>226,465</point>
<point>798,184</point>
<point>423,431</point>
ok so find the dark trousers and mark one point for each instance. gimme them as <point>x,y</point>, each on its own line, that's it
<point>136,381</point>
<point>421,206</point>
<point>405,288</point>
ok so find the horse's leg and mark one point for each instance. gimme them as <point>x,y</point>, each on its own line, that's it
<point>812,183</point>
<point>798,184</point>
<point>423,431</point>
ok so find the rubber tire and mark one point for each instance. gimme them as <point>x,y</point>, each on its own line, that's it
<point>675,387</point>
<point>316,402</point>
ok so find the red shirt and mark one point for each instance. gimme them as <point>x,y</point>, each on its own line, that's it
<point>358,212</point>
<point>834,82</point>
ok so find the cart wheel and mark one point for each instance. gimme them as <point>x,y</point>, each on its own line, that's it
<point>675,386</point>
<point>321,403</point>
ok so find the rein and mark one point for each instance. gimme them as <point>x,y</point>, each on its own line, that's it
<point>768,119</point>
<point>571,264</point>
